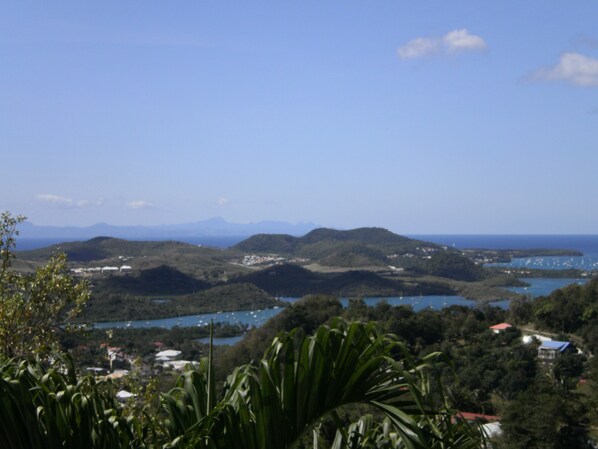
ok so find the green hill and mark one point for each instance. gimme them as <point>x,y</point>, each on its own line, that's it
<point>197,261</point>
<point>162,280</point>
<point>118,306</point>
<point>354,248</point>
<point>101,248</point>
<point>367,236</point>
<point>284,280</point>
<point>293,280</point>
<point>449,264</point>
<point>268,243</point>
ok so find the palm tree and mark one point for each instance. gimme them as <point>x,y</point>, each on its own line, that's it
<point>300,380</point>
<point>270,404</point>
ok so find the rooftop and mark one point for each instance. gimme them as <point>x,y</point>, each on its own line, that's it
<point>558,345</point>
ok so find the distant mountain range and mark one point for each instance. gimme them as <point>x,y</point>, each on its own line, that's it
<point>214,227</point>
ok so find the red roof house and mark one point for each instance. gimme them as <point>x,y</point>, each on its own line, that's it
<point>500,327</point>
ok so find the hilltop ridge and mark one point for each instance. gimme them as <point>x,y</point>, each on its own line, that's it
<point>352,248</point>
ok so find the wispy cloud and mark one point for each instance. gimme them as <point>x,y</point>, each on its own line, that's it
<point>455,41</point>
<point>66,203</point>
<point>222,201</point>
<point>140,204</point>
<point>573,68</point>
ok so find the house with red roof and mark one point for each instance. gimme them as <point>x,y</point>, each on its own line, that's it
<point>498,328</point>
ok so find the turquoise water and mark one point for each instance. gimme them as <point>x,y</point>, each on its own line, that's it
<point>259,317</point>
<point>222,341</point>
<point>586,263</point>
<point>251,318</point>
<point>544,287</point>
<point>538,287</point>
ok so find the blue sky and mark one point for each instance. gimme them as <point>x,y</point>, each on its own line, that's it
<point>421,117</point>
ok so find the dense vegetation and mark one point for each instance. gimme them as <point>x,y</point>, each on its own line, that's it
<point>293,280</point>
<point>375,262</point>
<point>162,280</point>
<point>375,237</point>
<point>410,371</point>
<point>451,265</point>
<point>299,381</point>
<point>571,310</point>
<point>107,306</point>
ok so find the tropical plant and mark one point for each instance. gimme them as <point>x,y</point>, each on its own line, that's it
<point>50,408</point>
<point>302,379</point>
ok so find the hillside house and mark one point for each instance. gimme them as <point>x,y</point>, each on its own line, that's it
<point>549,350</point>
<point>169,355</point>
<point>117,358</point>
<point>501,327</point>
<point>180,365</point>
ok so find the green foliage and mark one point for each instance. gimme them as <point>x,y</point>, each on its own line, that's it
<point>33,305</point>
<point>104,306</point>
<point>51,409</point>
<point>573,309</point>
<point>302,379</point>
<point>293,280</point>
<point>452,265</point>
<point>545,417</point>
<point>162,280</point>
<point>345,254</point>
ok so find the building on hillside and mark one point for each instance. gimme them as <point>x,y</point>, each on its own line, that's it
<point>498,328</point>
<point>527,339</point>
<point>117,374</point>
<point>489,424</point>
<point>180,365</point>
<point>169,355</point>
<point>549,350</point>
<point>117,358</point>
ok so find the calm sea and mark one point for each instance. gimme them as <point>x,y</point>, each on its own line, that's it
<point>587,244</point>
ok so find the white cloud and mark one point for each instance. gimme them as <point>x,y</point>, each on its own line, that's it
<point>452,42</point>
<point>574,68</point>
<point>416,48</point>
<point>139,204</point>
<point>222,201</point>
<point>461,40</point>
<point>65,203</point>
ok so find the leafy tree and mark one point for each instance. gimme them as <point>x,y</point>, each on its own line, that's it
<point>33,305</point>
<point>544,417</point>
